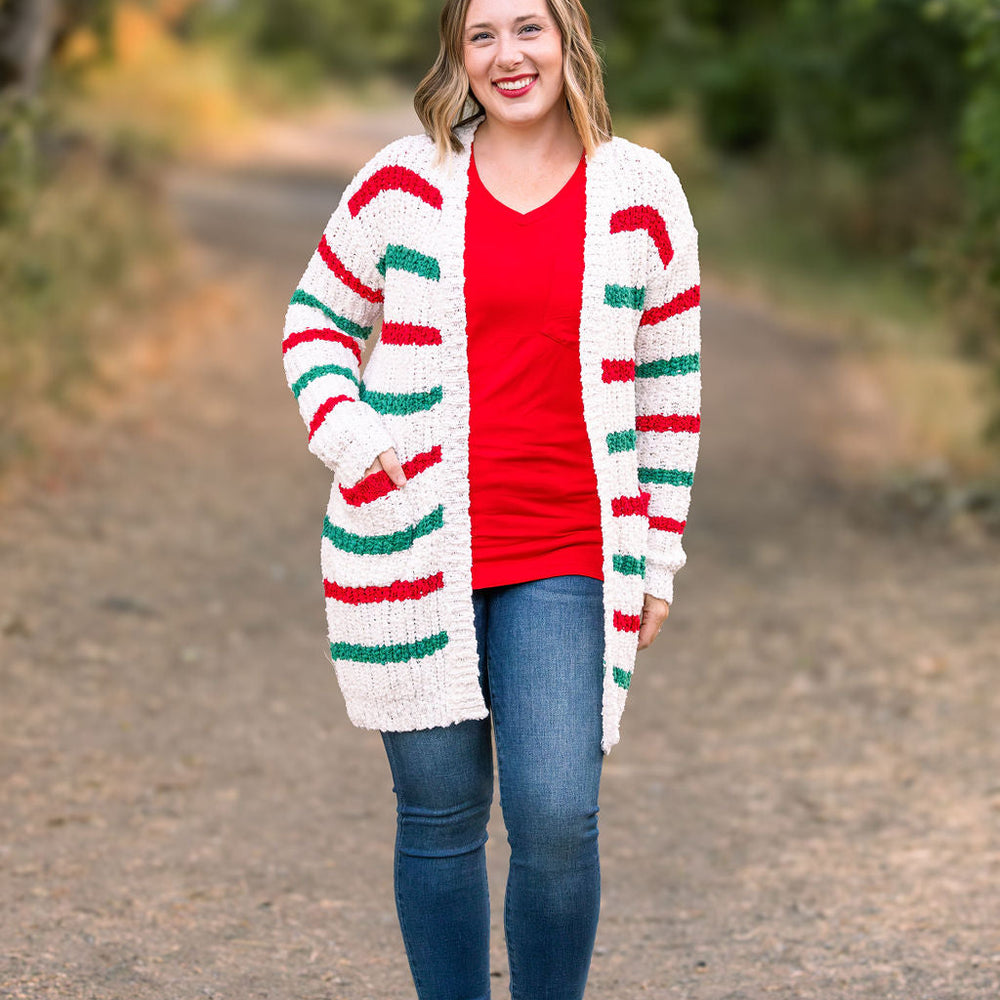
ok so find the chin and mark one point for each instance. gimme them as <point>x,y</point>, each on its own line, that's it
<point>519,116</point>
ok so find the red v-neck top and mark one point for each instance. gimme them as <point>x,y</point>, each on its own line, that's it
<point>533,492</point>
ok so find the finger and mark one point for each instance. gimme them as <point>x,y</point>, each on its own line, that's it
<point>647,633</point>
<point>654,614</point>
<point>392,467</point>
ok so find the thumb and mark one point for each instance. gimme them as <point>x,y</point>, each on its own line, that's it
<point>392,467</point>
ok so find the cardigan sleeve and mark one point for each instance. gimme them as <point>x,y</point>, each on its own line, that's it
<point>333,312</point>
<point>668,384</point>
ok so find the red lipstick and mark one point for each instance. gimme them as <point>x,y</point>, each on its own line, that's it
<point>524,84</point>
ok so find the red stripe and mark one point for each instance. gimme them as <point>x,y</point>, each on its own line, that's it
<point>627,506</point>
<point>323,412</point>
<point>668,524</point>
<point>333,336</point>
<point>618,371</point>
<point>686,300</point>
<point>627,623</point>
<point>638,217</point>
<point>378,484</point>
<point>676,422</point>
<point>401,590</point>
<point>407,333</point>
<point>394,178</point>
<point>353,282</point>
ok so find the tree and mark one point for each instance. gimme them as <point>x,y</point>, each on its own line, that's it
<point>27,31</point>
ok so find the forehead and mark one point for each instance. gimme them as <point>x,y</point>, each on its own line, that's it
<point>505,11</point>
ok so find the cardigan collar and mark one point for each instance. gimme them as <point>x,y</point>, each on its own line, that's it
<point>465,133</point>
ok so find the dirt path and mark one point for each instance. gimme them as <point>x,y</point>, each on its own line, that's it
<point>806,802</point>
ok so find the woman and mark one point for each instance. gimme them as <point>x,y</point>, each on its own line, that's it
<point>511,475</point>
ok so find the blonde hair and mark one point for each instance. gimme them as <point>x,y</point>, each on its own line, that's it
<point>444,101</point>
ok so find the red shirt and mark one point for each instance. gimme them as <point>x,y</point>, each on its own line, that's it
<point>533,492</point>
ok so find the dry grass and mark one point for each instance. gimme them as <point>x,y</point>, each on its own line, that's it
<point>90,247</point>
<point>942,404</point>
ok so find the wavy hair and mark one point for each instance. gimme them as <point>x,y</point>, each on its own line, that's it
<point>444,101</point>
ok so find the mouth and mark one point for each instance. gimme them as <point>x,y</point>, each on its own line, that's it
<point>515,86</point>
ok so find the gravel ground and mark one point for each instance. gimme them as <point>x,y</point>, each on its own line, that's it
<point>805,803</point>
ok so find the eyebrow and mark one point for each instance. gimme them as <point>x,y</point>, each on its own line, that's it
<point>517,20</point>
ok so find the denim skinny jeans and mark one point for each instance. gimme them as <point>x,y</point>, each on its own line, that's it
<point>541,648</point>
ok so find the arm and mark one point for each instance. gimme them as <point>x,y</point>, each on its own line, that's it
<point>668,396</point>
<point>332,314</point>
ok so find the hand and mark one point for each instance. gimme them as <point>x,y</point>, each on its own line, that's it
<point>654,614</point>
<point>388,462</point>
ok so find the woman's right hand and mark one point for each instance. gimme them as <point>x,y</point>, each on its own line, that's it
<point>388,462</point>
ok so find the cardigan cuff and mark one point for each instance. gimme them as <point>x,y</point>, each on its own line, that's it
<point>350,440</point>
<point>659,581</point>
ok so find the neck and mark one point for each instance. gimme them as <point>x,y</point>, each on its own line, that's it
<point>555,138</point>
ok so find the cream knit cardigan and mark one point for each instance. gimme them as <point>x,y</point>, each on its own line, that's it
<point>397,562</point>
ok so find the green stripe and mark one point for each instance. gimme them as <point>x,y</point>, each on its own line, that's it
<point>318,372</point>
<point>621,441</point>
<point>404,259</point>
<point>685,364</point>
<point>303,298</point>
<point>622,678</point>
<point>402,404</point>
<point>383,545</point>
<point>629,565</point>
<point>389,654</point>
<point>667,477</point>
<point>622,297</point>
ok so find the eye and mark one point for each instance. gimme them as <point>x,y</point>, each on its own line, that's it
<point>480,36</point>
<point>532,28</point>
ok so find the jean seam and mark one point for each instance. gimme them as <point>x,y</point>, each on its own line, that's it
<point>497,724</point>
<point>397,870</point>
<point>512,966</point>
<point>410,958</point>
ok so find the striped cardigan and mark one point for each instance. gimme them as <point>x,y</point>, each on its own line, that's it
<point>397,562</point>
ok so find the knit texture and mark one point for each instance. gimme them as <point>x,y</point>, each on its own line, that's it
<point>397,563</point>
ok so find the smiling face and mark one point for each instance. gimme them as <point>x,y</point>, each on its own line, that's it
<point>514,58</point>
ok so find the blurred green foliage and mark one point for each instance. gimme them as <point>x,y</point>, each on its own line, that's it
<point>353,41</point>
<point>978,283</point>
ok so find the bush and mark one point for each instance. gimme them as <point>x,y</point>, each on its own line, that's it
<point>77,220</point>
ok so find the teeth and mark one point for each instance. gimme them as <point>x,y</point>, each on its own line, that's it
<point>514,84</point>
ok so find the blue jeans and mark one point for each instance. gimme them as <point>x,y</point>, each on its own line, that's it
<point>541,651</point>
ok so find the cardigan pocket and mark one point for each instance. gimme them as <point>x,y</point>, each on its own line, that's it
<point>376,510</point>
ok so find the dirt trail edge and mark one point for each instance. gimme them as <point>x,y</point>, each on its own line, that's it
<point>805,804</point>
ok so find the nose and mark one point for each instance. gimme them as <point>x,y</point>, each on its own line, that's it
<point>509,54</point>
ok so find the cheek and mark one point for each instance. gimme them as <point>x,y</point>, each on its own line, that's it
<point>558,66</point>
<point>556,56</point>
<point>472,70</point>
<point>477,72</point>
